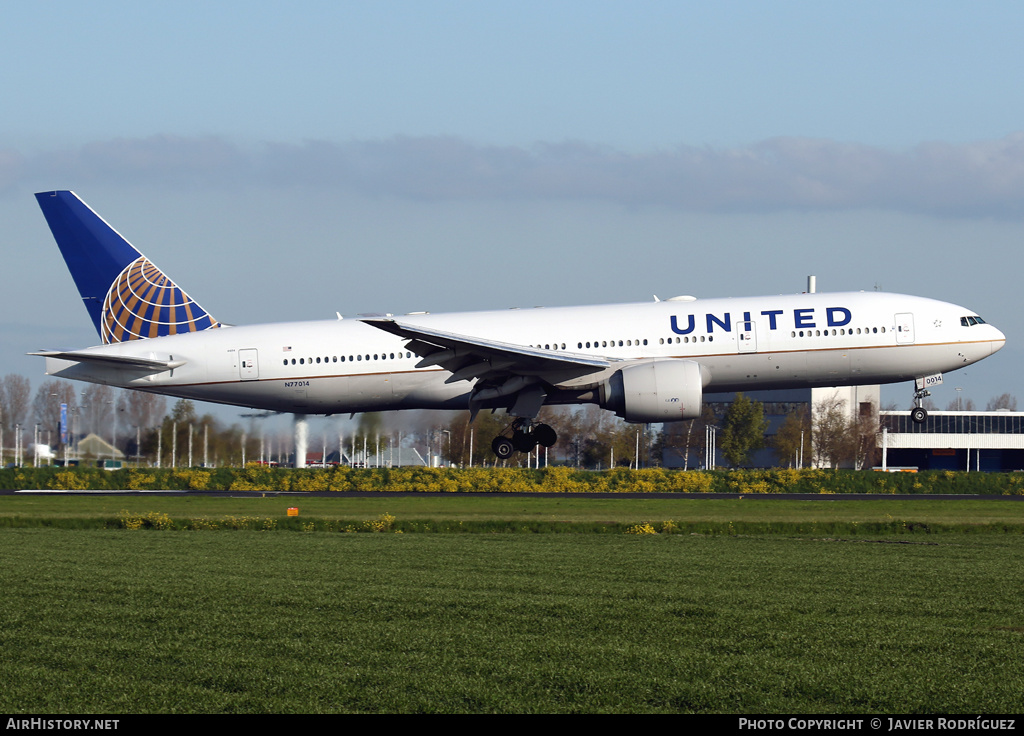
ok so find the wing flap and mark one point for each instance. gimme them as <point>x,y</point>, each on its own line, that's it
<point>469,358</point>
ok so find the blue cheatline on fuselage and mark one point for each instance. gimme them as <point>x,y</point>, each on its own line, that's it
<point>125,294</point>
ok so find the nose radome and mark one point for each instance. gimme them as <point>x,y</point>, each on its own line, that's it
<point>998,341</point>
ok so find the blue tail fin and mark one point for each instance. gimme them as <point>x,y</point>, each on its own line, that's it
<point>127,296</point>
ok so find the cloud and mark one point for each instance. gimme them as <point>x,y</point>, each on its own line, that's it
<point>980,179</point>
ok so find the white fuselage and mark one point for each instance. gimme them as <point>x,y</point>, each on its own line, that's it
<point>326,367</point>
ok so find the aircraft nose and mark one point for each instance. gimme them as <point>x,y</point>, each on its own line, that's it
<point>998,340</point>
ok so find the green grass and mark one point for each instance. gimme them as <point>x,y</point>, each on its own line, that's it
<point>123,622</point>
<point>510,513</point>
<point>782,606</point>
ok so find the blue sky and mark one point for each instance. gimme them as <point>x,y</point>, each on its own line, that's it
<point>286,161</point>
<point>639,76</point>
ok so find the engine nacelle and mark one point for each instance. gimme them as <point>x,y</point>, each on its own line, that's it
<point>661,390</point>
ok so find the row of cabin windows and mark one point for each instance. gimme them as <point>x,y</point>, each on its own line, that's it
<point>610,343</point>
<point>840,331</point>
<point>794,333</point>
<point>341,359</point>
<point>594,343</point>
<point>695,338</point>
<point>598,344</point>
<point>709,338</point>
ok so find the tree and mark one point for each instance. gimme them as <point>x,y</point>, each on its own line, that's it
<point>840,439</point>
<point>688,438</point>
<point>367,436</point>
<point>599,438</point>
<point>961,405</point>
<point>478,434</point>
<point>46,405</point>
<point>14,397</point>
<point>1003,401</point>
<point>175,431</point>
<point>98,410</point>
<point>141,409</point>
<point>743,428</point>
<point>793,438</point>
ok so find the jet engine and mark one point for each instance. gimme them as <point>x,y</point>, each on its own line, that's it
<point>661,390</point>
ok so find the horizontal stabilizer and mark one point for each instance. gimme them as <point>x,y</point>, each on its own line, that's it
<point>123,361</point>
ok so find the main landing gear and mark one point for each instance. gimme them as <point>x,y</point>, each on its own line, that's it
<point>525,435</point>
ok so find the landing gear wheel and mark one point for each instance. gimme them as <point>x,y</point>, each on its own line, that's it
<point>524,441</point>
<point>502,447</point>
<point>546,437</point>
<point>523,435</point>
<point>918,414</point>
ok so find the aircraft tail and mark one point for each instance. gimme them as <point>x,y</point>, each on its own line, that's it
<point>127,296</point>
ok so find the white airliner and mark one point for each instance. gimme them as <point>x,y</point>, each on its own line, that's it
<point>648,362</point>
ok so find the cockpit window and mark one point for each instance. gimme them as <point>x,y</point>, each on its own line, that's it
<point>971,321</point>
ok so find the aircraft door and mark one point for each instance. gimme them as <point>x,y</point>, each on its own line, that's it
<point>248,365</point>
<point>905,329</point>
<point>746,337</point>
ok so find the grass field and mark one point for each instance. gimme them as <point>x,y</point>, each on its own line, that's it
<point>756,513</point>
<point>117,621</point>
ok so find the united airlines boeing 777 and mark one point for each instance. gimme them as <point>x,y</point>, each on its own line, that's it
<point>648,362</point>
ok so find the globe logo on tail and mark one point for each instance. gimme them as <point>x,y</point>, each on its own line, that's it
<point>143,302</point>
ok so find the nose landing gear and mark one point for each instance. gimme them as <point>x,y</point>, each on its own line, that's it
<point>918,414</point>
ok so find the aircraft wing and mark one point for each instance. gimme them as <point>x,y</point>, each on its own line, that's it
<point>123,361</point>
<point>469,358</point>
